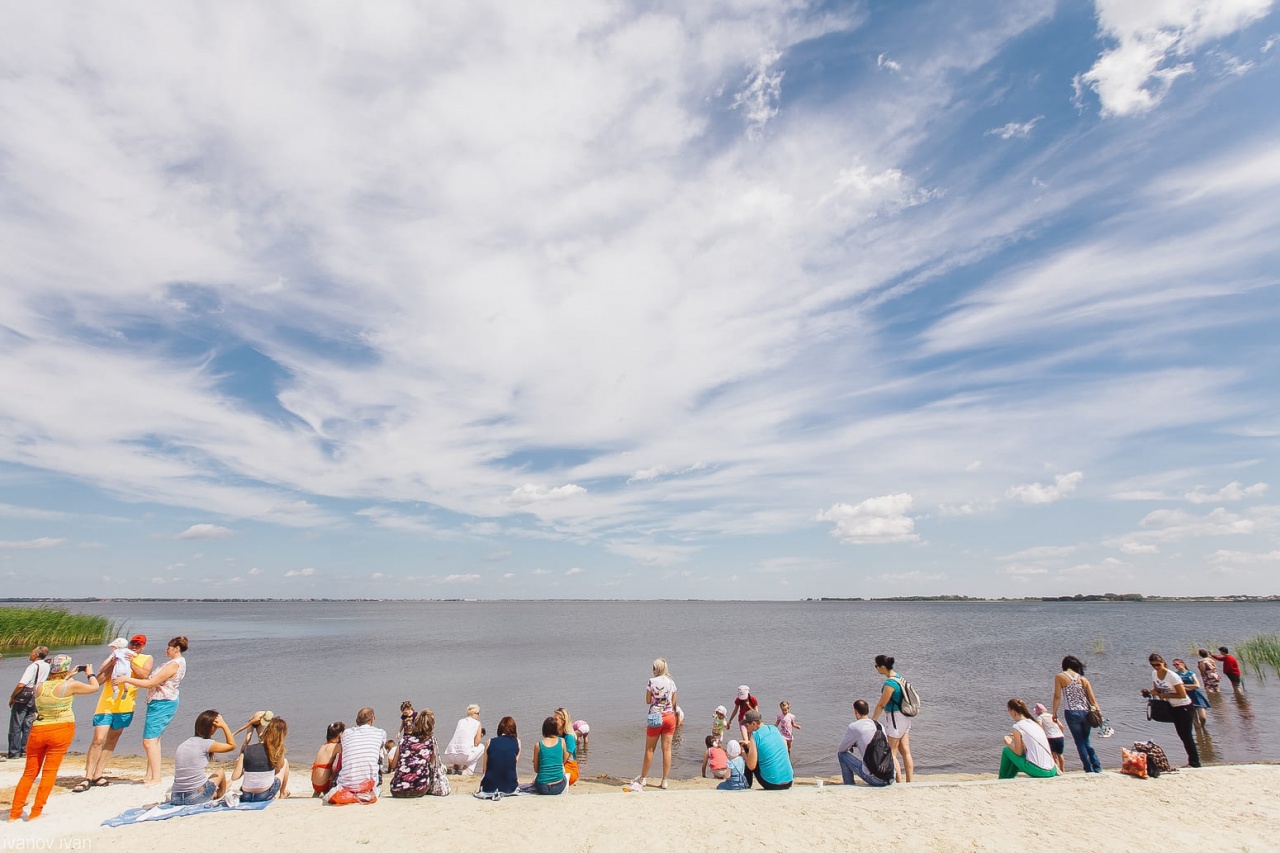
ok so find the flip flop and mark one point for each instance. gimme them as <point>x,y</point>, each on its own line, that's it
<point>82,786</point>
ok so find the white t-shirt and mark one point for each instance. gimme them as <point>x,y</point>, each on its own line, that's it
<point>464,737</point>
<point>1170,683</point>
<point>661,688</point>
<point>36,672</point>
<point>859,734</point>
<point>1051,729</point>
<point>1036,744</point>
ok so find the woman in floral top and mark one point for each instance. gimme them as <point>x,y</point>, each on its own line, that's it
<point>415,763</point>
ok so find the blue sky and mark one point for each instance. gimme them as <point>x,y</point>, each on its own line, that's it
<point>720,300</point>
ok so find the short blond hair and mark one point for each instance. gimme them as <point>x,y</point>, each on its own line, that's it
<point>473,708</point>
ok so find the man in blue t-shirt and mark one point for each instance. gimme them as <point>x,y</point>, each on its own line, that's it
<point>766,754</point>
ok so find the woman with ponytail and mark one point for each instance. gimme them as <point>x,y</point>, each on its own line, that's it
<point>1026,748</point>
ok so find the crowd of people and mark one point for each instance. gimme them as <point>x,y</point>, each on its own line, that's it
<point>351,764</point>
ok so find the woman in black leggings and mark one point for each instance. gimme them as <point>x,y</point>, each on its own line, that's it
<point>1166,684</point>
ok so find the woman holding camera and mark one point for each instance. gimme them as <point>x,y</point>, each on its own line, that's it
<point>51,733</point>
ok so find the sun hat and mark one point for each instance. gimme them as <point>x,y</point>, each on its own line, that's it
<point>59,663</point>
<point>265,717</point>
<point>138,639</point>
<point>721,710</point>
<point>1039,709</point>
<point>118,643</point>
<point>744,691</point>
<point>752,716</point>
<point>733,749</point>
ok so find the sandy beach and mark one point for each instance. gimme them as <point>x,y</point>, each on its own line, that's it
<point>937,813</point>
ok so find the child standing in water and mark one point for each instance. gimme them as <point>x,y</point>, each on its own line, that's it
<point>786,722</point>
<point>720,722</point>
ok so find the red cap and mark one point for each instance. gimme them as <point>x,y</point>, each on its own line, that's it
<point>138,639</point>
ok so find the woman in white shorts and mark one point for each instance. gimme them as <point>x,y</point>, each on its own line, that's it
<point>897,726</point>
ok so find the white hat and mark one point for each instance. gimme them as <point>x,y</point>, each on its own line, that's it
<point>733,749</point>
<point>744,691</point>
<point>721,710</point>
<point>119,643</point>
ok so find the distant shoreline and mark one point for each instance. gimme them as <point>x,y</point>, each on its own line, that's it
<point>1107,598</point>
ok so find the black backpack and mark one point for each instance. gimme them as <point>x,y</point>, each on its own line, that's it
<point>878,759</point>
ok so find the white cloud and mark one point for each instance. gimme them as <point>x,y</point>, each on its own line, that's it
<point>508,576</point>
<point>460,578</point>
<point>1233,491</point>
<point>975,465</point>
<point>1176,524</point>
<point>541,572</point>
<point>300,573</point>
<point>377,576</point>
<point>1244,558</point>
<point>1041,552</point>
<point>31,544</point>
<point>206,531</point>
<point>882,519</point>
<point>1108,569</point>
<point>883,61</point>
<point>1154,41</point>
<point>574,571</point>
<point>533,494</point>
<point>1014,129</point>
<point>1040,493</point>
<point>761,93</point>
<point>1023,572</point>
<point>651,553</point>
<point>908,577</point>
<point>255,571</point>
<point>1139,548</point>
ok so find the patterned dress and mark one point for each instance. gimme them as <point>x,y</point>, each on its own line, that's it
<point>417,767</point>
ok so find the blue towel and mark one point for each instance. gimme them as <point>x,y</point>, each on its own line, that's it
<point>164,811</point>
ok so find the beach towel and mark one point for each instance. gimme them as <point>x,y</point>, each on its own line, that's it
<point>164,811</point>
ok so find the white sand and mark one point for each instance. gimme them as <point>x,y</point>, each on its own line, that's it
<point>1071,813</point>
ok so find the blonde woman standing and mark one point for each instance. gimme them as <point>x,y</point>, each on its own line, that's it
<point>660,697</point>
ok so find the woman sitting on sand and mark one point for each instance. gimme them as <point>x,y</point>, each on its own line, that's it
<point>191,784</point>
<point>549,755</point>
<point>262,765</point>
<point>324,769</point>
<point>500,760</point>
<point>417,771</point>
<point>1026,748</point>
<point>564,727</point>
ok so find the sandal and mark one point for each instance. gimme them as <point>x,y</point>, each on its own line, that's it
<point>100,782</point>
<point>82,786</point>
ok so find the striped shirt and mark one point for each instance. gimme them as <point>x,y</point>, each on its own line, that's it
<point>361,753</point>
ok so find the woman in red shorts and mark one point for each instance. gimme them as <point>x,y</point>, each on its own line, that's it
<point>660,696</point>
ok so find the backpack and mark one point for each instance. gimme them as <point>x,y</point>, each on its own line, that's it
<point>877,758</point>
<point>909,701</point>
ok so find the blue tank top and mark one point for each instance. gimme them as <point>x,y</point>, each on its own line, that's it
<point>500,767</point>
<point>772,761</point>
<point>550,763</point>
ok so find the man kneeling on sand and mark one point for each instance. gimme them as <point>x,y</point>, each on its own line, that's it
<point>360,756</point>
<point>853,753</point>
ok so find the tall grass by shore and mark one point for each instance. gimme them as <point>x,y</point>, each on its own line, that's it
<point>1259,654</point>
<point>27,627</point>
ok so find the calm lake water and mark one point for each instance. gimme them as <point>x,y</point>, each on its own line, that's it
<point>315,662</point>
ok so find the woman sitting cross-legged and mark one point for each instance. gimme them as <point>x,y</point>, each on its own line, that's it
<point>417,772</point>
<point>191,784</point>
<point>500,760</point>
<point>549,755</point>
<point>262,765</point>
<point>1026,748</point>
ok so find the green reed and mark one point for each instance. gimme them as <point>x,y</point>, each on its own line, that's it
<point>27,627</point>
<point>1260,653</point>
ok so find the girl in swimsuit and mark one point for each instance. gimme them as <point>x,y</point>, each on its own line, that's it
<point>325,767</point>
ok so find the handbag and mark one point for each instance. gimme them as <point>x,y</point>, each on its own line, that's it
<point>1094,718</point>
<point>1159,711</point>
<point>654,720</point>
<point>439,786</point>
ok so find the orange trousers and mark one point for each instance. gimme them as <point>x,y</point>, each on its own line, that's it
<point>45,749</point>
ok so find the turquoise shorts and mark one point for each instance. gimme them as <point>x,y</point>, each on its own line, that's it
<point>159,714</point>
<point>116,721</point>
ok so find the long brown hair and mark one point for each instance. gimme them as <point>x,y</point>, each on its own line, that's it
<point>273,739</point>
<point>1021,707</point>
<point>424,723</point>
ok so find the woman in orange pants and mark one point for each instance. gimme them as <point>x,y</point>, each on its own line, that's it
<point>51,733</point>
